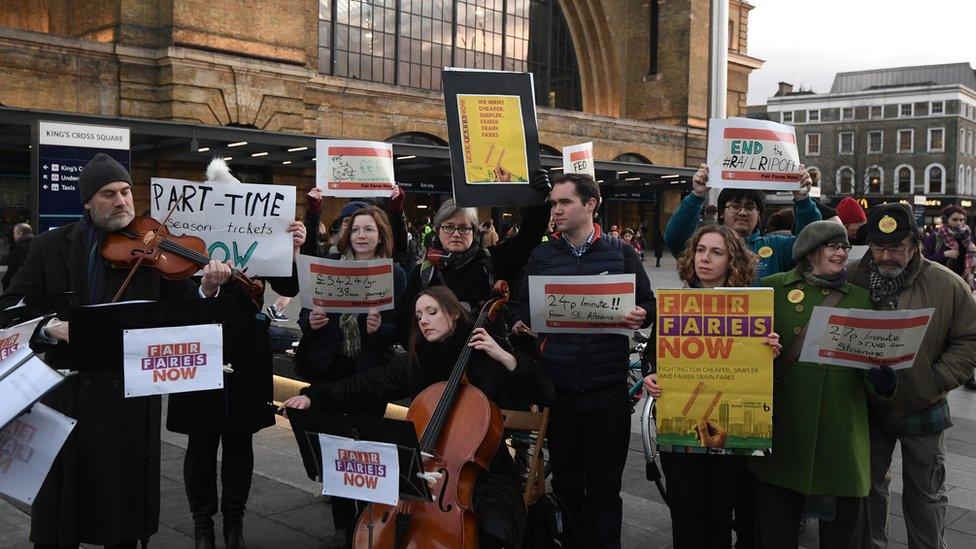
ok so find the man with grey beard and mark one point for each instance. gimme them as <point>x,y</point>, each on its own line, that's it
<point>103,488</point>
<point>918,414</point>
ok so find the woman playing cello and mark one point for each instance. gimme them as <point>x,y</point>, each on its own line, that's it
<point>441,330</point>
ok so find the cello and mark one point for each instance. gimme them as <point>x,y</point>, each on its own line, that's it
<point>460,430</point>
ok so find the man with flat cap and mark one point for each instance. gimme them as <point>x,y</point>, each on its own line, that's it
<point>917,416</point>
<point>103,488</point>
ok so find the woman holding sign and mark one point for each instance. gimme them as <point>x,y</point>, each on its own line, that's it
<point>441,330</point>
<point>820,431</point>
<point>335,346</point>
<point>703,486</point>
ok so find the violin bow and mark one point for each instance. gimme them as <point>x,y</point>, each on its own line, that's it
<point>149,246</point>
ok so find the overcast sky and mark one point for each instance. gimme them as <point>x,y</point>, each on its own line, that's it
<point>805,42</point>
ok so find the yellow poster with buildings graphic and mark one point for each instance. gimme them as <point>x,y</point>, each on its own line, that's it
<point>715,369</point>
<point>493,138</point>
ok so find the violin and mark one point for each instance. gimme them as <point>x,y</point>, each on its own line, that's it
<point>147,242</point>
<point>460,430</point>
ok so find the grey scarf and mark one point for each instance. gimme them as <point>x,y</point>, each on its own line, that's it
<point>883,287</point>
<point>349,324</point>
<point>825,281</point>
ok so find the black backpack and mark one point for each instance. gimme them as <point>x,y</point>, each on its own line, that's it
<point>548,524</point>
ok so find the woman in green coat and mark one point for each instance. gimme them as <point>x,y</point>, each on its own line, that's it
<point>820,420</point>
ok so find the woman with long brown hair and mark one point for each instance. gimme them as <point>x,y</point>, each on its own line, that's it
<point>704,484</point>
<point>441,330</point>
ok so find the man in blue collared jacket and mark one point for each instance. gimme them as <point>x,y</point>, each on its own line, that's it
<point>743,211</point>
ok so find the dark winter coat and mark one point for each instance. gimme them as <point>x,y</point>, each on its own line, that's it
<point>103,488</point>
<point>16,257</point>
<point>242,405</point>
<point>579,363</point>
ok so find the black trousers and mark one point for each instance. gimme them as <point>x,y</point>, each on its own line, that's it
<point>779,511</point>
<point>589,435</point>
<point>200,476</point>
<point>127,545</point>
<point>709,490</point>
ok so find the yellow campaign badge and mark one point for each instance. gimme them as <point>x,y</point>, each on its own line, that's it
<point>765,252</point>
<point>795,296</point>
<point>887,225</point>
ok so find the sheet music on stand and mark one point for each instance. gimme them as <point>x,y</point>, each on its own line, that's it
<point>308,424</point>
<point>23,384</point>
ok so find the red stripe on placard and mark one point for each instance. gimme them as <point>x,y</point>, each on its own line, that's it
<point>590,289</point>
<point>755,133</point>
<point>864,359</point>
<point>570,324</point>
<point>361,151</point>
<point>879,323</point>
<point>341,303</point>
<point>360,185</point>
<point>580,155</point>
<point>351,271</point>
<point>762,176</point>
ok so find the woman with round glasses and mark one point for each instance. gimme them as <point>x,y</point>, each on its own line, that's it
<point>457,259</point>
<point>742,210</point>
<point>821,453</point>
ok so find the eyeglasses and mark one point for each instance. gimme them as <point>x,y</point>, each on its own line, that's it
<point>462,229</point>
<point>834,247</point>
<point>736,207</point>
<point>892,248</point>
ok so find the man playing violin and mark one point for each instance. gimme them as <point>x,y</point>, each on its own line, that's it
<point>103,488</point>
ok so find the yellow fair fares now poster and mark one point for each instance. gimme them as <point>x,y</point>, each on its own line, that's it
<point>493,138</point>
<point>715,369</point>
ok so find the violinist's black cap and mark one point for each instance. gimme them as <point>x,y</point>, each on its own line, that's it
<point>100,171</point>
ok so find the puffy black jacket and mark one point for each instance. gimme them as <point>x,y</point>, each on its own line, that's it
<point>579,363</point>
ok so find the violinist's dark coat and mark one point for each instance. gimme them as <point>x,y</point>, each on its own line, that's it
<point>104,486</point>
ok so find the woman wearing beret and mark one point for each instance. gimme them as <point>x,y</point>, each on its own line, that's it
<point>820,422</point>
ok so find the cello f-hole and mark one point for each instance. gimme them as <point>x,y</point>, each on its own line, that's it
<point>440,497</point>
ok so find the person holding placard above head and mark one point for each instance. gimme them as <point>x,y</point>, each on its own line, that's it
<point>441,329</point>
<point>589,428</point>
<point>458,259</point>
<point>701,484</point>
<point>820,429</point>
<point>103,488</point>
<point>227,418</point>
<point>336,346</point>
<point>898,277</point>
<point>742,210</point>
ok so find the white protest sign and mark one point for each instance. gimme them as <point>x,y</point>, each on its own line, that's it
<point>346,286</point>
<point>244,223</point>
<point>861,338</point>
<point>354,168</point>
<point>581,304</point>
<point>579,159</point>
<point>359,469</point>
<point>179,359</point>
<point>15,344</point>
<point>23,385</point>
<point>752,154</point>
<point>28,446</point>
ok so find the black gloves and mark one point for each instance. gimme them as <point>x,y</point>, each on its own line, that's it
<point>884,380</point>
<point>540,181</point>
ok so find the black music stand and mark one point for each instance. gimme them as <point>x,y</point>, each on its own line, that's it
<point>307,424</point>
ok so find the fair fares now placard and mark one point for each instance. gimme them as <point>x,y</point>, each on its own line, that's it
<point>579,159</point>
<point>861,338</point>
<point>180,359</point>
<point>346,286</point>
<point>359,469</point>
<point>354,168</point>
<point>752,154</point>
<point>15,344</point>
<point>715,369</point>
<point>244,223</point>
<point>28,446</point>
<point>24,384</point>
<point>581,304</point>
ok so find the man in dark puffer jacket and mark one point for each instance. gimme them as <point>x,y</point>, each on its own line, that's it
<point>589,426</point>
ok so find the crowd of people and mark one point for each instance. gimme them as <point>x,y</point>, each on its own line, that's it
<point>835,428</point>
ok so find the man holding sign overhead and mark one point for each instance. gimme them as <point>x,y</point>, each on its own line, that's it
<point>589,429</point>
<point>898,277</point>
